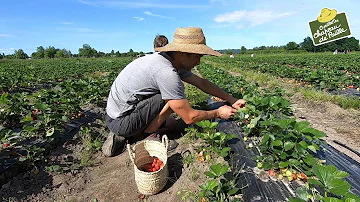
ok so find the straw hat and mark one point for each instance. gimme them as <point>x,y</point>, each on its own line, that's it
<point>189,40</point>
<point>326,15</point>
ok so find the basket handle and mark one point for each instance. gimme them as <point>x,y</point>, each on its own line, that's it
<point>165,141</point>
<point>131,153</point>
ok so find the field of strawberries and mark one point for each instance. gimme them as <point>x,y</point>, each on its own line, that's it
<point>332,73</point>
<point>40,97</point>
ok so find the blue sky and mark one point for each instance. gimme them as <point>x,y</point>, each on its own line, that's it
<point>120,25</point>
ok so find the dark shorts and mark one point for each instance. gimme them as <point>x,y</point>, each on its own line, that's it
<point>138,120</point>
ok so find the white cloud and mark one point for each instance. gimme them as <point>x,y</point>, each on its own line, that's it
<point>139,18</point>
<point>6,35</point>
<point>88,3</point>
<point>125,4</point>
<point>66,23</point>
<point>155,15</point>
<point>254,18</point>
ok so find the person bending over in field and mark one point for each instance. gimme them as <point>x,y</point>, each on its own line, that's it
<point>160,41</point>
<point>149,89</point>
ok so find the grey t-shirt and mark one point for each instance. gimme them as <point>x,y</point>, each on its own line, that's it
<point>143,77</point>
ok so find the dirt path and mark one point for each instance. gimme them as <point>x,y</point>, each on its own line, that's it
<point>340,125</point>
<point>107,180</point>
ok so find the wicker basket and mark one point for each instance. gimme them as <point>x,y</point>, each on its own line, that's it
<point>150,183</point>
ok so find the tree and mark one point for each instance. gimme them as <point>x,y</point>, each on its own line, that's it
<point>292,46</point>
<point>19,54</point>
<point>132,53</point>
<point>243,50</point>
<point>228,52</point>
<point>63,53</point>
<point>118,54</point>
<point>101,54</point>
<point>307,44</point>
<point>87,51</point>
<point>50,52</point>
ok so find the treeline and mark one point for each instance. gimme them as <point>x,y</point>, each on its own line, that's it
<point>85,51</point>
<point>307,45</point>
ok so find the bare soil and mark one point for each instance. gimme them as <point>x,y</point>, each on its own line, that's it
<point>107,179</point>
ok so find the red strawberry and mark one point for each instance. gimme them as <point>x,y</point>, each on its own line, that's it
<point>271,173</point>
<point>304,177</point>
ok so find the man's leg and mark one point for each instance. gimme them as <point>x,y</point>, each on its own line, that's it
<point>159,119</point>
<point>150,112</point>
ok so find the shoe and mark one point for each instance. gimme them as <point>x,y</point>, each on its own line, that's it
<point>113,144</point>
<point>172,145</point>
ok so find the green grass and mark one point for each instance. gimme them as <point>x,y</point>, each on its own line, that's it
<point>344,102</point>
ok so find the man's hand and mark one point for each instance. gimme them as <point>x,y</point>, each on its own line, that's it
<point>240,103</point>
<point>225,112</point>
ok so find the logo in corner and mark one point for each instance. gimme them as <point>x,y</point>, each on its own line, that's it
<point>329,26</point>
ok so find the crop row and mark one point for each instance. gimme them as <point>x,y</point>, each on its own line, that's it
<point>284,144</point>
<point>331,80</point>
<point>347,62</point>
<point>25,75</point>
<point>42,114</point>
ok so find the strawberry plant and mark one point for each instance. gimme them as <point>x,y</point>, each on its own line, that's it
<point>328,185</point>
<point>287,143</point>
<point>215,140</point>
<point>218,188</point>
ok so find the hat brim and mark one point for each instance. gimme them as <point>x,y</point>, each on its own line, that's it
<point>328,18</point>
<point>189,48</point>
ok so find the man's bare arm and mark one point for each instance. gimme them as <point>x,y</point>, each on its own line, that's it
<point>189,115</point>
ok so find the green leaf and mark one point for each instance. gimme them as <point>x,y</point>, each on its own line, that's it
<point>283,164</point>
<point>350,197</point>
<point>340,174</point>
<point>210,174</point>
<point>314,132</point>
<point>211,184</point>
<point>265,139</point>
<point>310,160</point>
<point>255,120</point>
<point>233,191</point>
<point>303,144</point>
<point>283,155</point>
<point>332,199</point>
<point>214,124</point>
<point>276,143</point>
<point>225,151</point>
<point>324,173</point>
<point>219,170</point>
<point>338,186</point>
<point>302,193</point>
<point>267,165</point>
<point>284,123</point>
<point>300,126</point>
<point>296,200</point>
<point>315,182</point>
<point>274,101</point>
<point>294,162</point>
<point>312,148</point>
<point>288,145</point>
<point>22,158</point>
